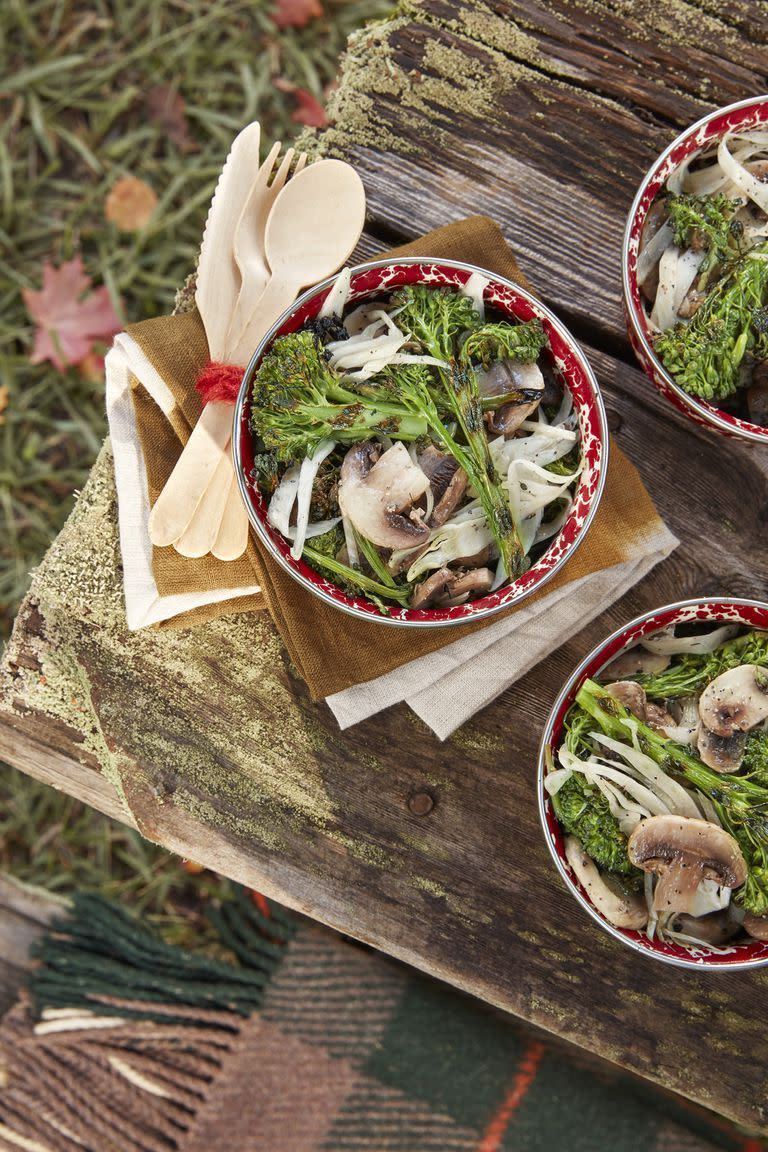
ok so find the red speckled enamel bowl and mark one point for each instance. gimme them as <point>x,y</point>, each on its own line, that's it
<point>369,280</point>
<point>752,953</point>
<point>743,116</point>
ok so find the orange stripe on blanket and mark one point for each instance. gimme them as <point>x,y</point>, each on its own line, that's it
<point>526,1074</point>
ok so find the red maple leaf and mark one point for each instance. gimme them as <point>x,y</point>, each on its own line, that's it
<point>69,318</point>
<point>296,13</point>
<point>308,110</point>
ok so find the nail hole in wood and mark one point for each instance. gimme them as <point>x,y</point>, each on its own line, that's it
<point>421,802</point>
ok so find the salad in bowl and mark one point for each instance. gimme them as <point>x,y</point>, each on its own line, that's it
<point>419,442</point>
<point>653,783</point>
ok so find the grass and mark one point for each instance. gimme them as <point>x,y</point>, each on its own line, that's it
<point>77,111</point>
<point>76,104</point>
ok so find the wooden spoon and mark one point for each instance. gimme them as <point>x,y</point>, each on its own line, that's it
<point>314,224</point>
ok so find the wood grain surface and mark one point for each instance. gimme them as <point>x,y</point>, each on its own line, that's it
<point>544,115</point>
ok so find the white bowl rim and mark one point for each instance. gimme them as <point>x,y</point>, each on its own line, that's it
<point>565,691</point>
<point>760,435</point>
<point>564,334</point>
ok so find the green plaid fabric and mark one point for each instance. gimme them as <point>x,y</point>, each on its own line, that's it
<point>402,1063</point>
<point>315,1044</point>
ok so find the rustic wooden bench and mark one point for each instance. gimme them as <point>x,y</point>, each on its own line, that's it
<point>543,114</point>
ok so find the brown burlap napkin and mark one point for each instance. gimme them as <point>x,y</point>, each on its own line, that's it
<point>330,649</point>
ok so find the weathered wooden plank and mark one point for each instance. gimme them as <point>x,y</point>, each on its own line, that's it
<point>221,757</point>
<point>543,115</point>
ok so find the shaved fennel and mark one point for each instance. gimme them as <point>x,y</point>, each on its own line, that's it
<point>307,474</point>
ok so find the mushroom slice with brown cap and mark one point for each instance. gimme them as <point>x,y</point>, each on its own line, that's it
<point>735,701</point>
<point>682,852</point>
<point>430,589</point>
<point>375,490</point>
<point>721,753</point>
<point>756,926</point>
<point>635,662</point>
<point>447,480</point>
<point>466,585</point>
<point>631,695</point>
<point>506,420</point>
<point>714,928</point>
<point>622,909</point>
<point>448,588</point>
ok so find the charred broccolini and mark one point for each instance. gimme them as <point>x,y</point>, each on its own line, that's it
<point>707,222</point>
<point>299,401</point>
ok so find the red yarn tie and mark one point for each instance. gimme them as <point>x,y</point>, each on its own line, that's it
<point>219,382</point>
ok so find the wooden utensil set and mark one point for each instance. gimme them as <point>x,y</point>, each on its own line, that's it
<point>268,235</point>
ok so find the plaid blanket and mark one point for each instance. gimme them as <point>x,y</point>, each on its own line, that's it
<point>346,1052</point>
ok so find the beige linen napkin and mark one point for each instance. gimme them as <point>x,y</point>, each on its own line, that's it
<point>360,666</point>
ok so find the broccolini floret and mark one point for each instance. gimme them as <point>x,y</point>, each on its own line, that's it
<point>266,472</point>
<point>583,812</point>
<point>705,355</point>
<point>489,342</point>
<point>299,400</point>
<point>755,762</point>
<point>706,221</point>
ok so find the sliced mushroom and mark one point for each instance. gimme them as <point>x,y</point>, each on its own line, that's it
<point>658,718</point>
<point>506,420</point>
<point>682,852</point>
<point>446,587</point>
<point>447,480</point>
<point>735,701</point>
<point>505,376</point>
<point>624,910</point>
<point>691,303</point>
<point>756,926</point>
<point>631,695</point>
<point>655,218</point>
<point>714,928</point>
<point>375,490</point>
<point>467,586</point>
<point>635,662</point>
<point>722,753</point>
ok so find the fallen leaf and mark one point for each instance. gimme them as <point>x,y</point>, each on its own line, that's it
<point>166,107</point>
<point>130,204</point>
<point>69,317</point>
<point>4,398</point>
<point>296,13</point>
<point>308,110</point>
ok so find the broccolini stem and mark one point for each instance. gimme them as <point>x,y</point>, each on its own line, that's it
<point>485,482</point>
<point>375,561</point>
<point>350,576</point>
